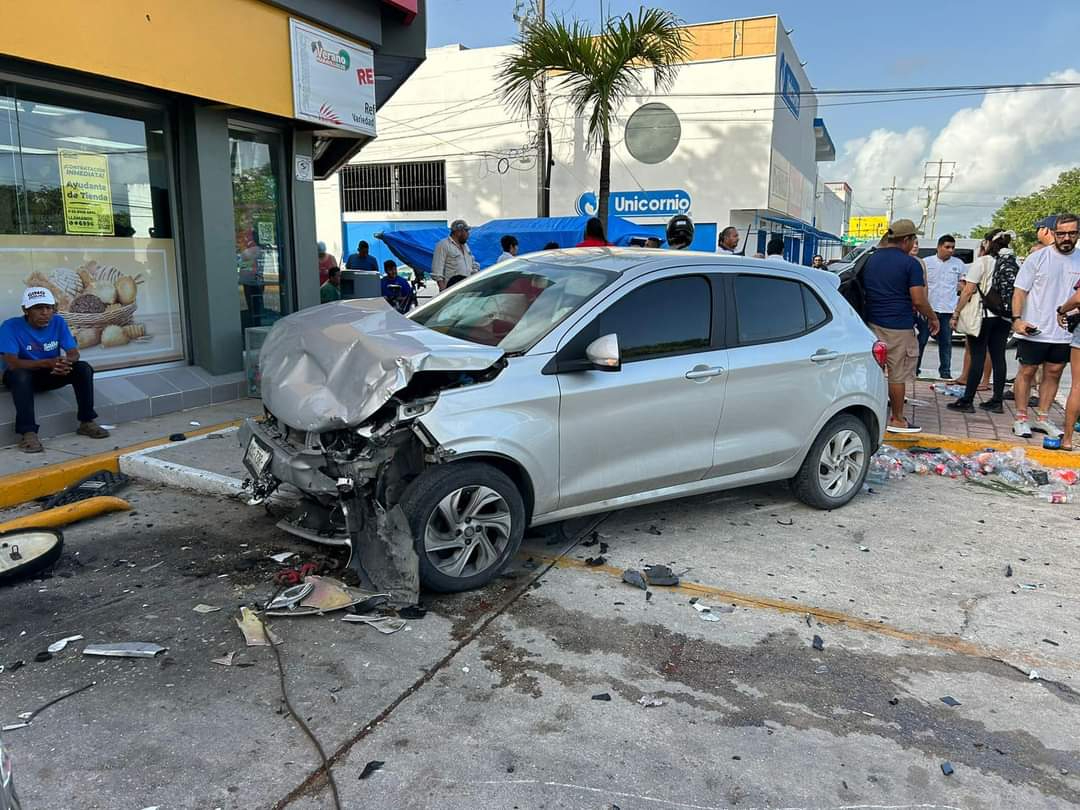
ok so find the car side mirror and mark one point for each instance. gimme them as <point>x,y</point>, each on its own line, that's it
<point>603,353</point>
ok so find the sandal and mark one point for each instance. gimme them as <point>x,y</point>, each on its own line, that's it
<point>909,427</point>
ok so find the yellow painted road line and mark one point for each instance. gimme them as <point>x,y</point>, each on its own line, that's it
<point>1053,459</point>
<point>63,515</point>
<point>825,616</point>
<point>20,487</point>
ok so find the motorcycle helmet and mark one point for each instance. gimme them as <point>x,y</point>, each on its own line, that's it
<point>680,232</point>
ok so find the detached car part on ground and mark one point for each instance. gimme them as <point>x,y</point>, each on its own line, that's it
<point>555,386</point>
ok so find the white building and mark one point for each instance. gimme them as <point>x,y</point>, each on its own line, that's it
<point>736,141</point>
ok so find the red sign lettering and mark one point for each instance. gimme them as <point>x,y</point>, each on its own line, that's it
<point>365,75</point>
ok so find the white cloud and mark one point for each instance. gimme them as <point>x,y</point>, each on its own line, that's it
<point>1011,143</point>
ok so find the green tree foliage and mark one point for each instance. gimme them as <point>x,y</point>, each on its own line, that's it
<point>1020,214</point>
<point>597,73</point>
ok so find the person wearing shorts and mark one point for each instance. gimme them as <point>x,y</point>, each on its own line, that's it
<point>1045,282</point>
<point>895,289</point>
<point>1072,405</point>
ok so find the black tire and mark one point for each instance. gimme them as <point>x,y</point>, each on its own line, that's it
<point>807,484</point>
<point>32,564</point>
<point>423,497</point>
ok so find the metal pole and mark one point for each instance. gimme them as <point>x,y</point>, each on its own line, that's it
<point>542,157</point>
<point>892,198</point>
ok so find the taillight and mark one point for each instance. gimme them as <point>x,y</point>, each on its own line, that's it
<point>881,353</point>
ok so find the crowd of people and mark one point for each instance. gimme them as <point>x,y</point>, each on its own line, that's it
<point>997,297</point>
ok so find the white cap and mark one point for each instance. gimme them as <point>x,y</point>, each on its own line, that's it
<point>32,296</point>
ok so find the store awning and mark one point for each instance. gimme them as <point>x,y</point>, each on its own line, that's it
<point>800,227</point>
<point>825,149</point>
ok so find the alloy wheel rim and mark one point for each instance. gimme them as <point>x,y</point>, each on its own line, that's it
<point>841,463</point>
<point>467,531</point>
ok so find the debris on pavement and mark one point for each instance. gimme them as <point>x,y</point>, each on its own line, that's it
<point>1008,570</point>
<point>63,515</point>
<point>947,768</point>
<point>57,646</point>
<point>1033,675</point>
<point>705,612</point>
<point>818,643</point>
<point>177,437</point>
<point>654,530</point>
<point>592,562</point>
<point>894,701</point>
<point>788,522</point>
<point>604,696</point>
<point>29,551</point>
<point>325,595</point>
<point>282,556</point>
<point>649,701</point>
<point>371,767</point>
<point>387,625</point>
<point>295,576</point>
<point>102,482</point>
<point>1050,642</point>
<point>28,717</point>
<point>633,577</point>
<point>594,538</point>
<point>412,612</point>
<point>256,634</point>
<point>125,649</point>
<point>660,575</point>
<point>291,596</point>
<point>150,568</point>
<point>948,700</point>
<point>42,657</point>
<point>201,608</point>
<point>225,660</point>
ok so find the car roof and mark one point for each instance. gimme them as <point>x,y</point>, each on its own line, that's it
<point>637,261</point>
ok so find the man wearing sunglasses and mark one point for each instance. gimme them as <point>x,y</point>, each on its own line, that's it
<point>1045,281</point>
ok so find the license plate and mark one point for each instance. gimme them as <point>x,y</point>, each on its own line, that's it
<point>256,457</point>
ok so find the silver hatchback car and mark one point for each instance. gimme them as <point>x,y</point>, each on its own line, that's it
<point>561,384</point>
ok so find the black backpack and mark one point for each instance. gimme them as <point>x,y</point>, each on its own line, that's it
<point>851,285</point>
<point>998,299</point>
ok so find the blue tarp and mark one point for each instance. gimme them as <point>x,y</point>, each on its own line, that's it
<point>416,247</point>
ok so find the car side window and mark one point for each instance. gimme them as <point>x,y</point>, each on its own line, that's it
<point>769,308</point>
<point>665,317</point>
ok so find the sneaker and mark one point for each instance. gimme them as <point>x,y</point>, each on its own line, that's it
<point>992,405</point>
<point>961,405</point>
<point>1022,429</point>
<point>93,430</point>
<point>1044,425</point>
<point>908,427</point>
<point>30,443</point>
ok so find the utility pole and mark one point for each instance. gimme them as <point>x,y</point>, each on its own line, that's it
<point>523,10</point>
<point>936,189</point>
<point>891,199</point>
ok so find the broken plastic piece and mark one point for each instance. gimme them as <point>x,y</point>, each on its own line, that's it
<point>290,597</point>
<point>225,660</point>
<point>660,575</point>
<point>255,633</point>
<point>57,646</point>
<point>818,643</point>
<point>632,577</point>
<point>103,482</point>
<point>947,768</point>
<point>371,767</point>
<point>948,700</point>
<point>327,595</point>
<point>43,656</point>
<point>386,625</point>
<point>648,701</point>
<point>602,696</point>
<point>594,538</point>
<point>201,608</point>
<point>1033,675</point>
<point>893,701</point>
<point>282,556</point>
<point>412,612</point>
<point>864,548</point>
<point>177,437</point>
<point>125,649</point>
<point>705,612</point>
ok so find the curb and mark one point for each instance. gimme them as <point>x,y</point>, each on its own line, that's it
<point>20,487</point>
<point>142,465</point>
<point>1052,459</point>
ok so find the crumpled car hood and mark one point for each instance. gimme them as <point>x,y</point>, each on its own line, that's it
<point>335,365</point>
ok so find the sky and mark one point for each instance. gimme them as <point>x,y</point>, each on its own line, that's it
<point>1003,143</point>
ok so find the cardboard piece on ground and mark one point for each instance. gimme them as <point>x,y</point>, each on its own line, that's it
<point>252,628</point>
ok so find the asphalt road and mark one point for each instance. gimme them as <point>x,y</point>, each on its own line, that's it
<point>489,700</point>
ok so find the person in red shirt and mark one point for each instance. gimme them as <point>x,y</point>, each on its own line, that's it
<point>326,261</point>
<point>594,234</point>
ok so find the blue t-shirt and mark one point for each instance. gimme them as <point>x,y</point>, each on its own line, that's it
<point>388,292</point>
<point>19,338</point>
<point>888,278</point>
<point>358,262</point>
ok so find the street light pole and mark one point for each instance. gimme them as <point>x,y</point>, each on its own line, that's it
<point>543,159</point>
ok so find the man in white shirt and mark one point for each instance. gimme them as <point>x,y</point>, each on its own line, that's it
<point>1046,281</point>
<point>509,245</point>
<point>944,274</point>
<point>774,250</point>
<point>453,261</point>
<point>729,241</point>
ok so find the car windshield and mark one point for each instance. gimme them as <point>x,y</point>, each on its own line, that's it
<point>512,307</point>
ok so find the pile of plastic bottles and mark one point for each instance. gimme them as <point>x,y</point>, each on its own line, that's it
<point>948,390</point>
<point>1011,468</point>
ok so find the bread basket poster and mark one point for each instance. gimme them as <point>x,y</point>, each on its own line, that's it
<point>118,296</point>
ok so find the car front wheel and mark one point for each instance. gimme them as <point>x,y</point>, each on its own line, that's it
<point>467,519</point>
<point>834,469</point>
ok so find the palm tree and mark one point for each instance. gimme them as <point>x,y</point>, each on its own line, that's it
<point>596,73</point>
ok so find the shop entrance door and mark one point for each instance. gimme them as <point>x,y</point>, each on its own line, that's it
<point>258,213</point>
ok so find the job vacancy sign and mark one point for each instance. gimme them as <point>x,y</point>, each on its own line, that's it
<point>333,80</point>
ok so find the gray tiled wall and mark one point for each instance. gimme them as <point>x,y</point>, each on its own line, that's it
<point>127,398</point>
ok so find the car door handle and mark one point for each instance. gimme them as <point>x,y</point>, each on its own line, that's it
<point>704,372</point>
<point>823,356</point>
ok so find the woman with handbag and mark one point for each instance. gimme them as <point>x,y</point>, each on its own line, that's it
<point>987,333</point>
<point>1069,317</point>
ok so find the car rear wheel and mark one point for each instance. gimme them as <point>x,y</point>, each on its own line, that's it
<point>468,520</point>
<point>834,469</point>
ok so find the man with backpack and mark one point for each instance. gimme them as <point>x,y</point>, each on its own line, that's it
<point>1046,280</point>
<point>894,287</point>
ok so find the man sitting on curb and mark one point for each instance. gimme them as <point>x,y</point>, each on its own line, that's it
<point>39,353</point>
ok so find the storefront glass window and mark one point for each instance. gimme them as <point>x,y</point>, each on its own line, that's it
<point>84,211</point>
<point>257,212</point>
